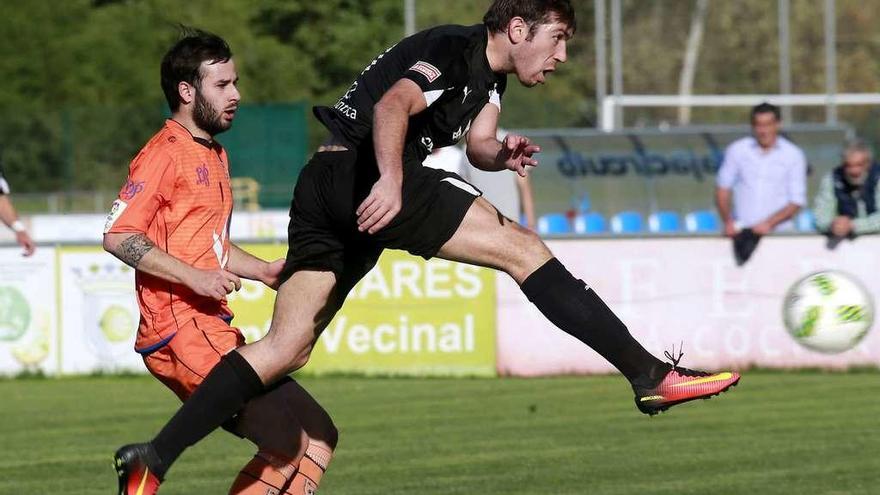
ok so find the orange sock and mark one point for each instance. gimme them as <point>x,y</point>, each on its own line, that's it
<point>311,469</point>
<point>265,474</point>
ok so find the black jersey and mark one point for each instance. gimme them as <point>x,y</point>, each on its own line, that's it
<point>449,63</point>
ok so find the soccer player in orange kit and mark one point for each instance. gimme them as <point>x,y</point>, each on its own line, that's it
<point>171,223</point>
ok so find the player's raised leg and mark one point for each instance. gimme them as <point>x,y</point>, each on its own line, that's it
<point>486,238</point>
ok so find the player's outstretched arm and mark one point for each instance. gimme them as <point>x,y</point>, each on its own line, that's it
<point>140,253</point>
<point>9,216</point>
<point>246,265</point>
<point>487,153</point>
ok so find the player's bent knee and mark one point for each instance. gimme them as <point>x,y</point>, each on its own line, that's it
<point>273,428</point>
<point>529,251</point>
<point>299,359</point>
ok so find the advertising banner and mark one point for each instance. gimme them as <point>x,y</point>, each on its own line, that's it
<point>100,312</point>
<point>649,170</point>
<point>407,316</point>
<point>28,317</point>
<point>690,291</point>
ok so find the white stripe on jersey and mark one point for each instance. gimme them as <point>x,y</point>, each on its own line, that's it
<point>495,98</point>
<point>464,186</point>
<point>4,186</point>
<point>432,96</point>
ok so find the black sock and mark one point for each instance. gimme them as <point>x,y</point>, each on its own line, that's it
<point>576,309</point>
<point>221,395</point>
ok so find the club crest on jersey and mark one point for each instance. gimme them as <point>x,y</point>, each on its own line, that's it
<point>428,143</point>
<point>131,189</point>
<point>430,72</point>
<point>202,176</point>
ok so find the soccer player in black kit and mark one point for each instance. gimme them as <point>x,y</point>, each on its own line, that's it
<point>365,190</point>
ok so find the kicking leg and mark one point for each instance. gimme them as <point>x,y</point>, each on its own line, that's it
<point>486,238</point>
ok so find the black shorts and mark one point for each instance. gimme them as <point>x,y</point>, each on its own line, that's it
<point>323,234</point>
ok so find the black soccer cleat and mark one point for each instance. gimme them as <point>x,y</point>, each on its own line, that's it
<point>135,466</point>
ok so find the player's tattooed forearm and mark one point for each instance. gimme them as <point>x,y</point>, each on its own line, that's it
<point>134,248</point>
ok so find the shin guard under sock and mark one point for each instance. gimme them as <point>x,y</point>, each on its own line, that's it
<point>265,473</point>
<point>224,391</point>
<point>576,309</point>
<point>311,469</point>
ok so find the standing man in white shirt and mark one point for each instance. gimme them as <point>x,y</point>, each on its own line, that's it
<point>766,177</point>
<point>765,174</point>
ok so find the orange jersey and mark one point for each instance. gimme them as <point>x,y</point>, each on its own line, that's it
<point>178,194</point>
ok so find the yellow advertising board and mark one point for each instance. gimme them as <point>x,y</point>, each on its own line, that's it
<point>407,316</point>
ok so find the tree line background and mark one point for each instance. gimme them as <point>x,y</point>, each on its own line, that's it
<point>81,93</point>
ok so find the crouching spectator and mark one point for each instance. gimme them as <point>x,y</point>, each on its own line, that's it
<point>847,202</point>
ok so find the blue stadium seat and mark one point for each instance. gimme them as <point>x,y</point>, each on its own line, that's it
<point>664,221</point>
<point>806,221</point>
<point>627,222</point>
<point>554,223</point>
<point>590,223</point>
<point>702,221</point>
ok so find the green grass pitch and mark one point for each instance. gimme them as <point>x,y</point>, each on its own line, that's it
<point>798,433</point>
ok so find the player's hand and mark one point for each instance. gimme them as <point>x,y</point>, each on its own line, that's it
<point>272,272</point>
<point>841,226</point>
<point>730,229</point>
<point>215,284</point>
<point>762,228</point>
<point>516,153</point>
<point>24,240</point>
<point>381,206</point>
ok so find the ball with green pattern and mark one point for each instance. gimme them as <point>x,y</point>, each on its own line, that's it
<point>828,311</point>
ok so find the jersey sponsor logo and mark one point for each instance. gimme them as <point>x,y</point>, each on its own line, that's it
<point>132,189</point>
<point>115,212</point>
<point>430,72</point>
<point>202,176</point>
<point>346,109</point>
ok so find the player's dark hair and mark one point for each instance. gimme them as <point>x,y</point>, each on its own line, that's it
<point>766,108</point>
<point>534,12</point>
<point>184,59</point>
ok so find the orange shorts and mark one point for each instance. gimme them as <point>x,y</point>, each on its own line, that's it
<point>196,348</point>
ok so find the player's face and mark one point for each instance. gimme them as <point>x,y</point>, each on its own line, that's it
<point>538,56</point>
<point>766,128</point>
<point>855,165</point>
<point>216,99</point>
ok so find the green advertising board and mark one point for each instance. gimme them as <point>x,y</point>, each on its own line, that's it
<point>407,316</point>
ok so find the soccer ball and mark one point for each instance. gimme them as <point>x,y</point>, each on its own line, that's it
<point>828,311</point>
